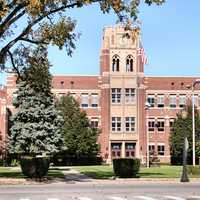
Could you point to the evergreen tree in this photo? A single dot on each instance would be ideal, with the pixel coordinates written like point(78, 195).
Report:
point(36, 126)
point(180, 127)
point(80, 137)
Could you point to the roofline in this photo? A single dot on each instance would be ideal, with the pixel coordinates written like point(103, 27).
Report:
point(68, 75)
point(172, 76)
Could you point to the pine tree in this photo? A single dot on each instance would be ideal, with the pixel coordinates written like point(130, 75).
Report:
point(36, 126)
point(80, 137)
point(180, 127)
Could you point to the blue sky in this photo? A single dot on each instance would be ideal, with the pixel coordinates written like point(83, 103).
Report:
point(170, 33)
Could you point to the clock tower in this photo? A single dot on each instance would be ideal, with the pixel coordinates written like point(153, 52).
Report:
point(122, 95)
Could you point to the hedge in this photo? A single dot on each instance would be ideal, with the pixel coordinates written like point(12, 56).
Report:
point(126, 167)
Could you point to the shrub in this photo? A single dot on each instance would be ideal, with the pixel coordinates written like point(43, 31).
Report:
point(193, 170)
point(126, 167)
point(34, 167)
point(1, 162)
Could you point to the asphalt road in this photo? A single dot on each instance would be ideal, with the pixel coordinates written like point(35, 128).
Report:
point(130, 191)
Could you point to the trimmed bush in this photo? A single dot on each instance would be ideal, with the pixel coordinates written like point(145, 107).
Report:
point(193, 170)
point(126, 167)
point(34, 167)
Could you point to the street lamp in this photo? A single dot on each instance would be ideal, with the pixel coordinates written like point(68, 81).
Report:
point(147, 106)
point(193, 121)
point(184, 176)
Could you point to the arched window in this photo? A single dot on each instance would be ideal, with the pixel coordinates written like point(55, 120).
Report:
point(115, 63)
point(129, 63)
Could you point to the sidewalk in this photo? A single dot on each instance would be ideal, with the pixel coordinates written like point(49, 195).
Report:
point(73, 176)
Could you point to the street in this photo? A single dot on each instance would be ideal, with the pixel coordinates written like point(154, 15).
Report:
point(130, 191)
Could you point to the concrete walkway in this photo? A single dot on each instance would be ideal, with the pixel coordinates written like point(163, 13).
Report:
point(72, 175)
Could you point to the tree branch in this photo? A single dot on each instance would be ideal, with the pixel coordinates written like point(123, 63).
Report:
point(5, 49)
point(33, 41)
point(13, 64)
point(4, 25)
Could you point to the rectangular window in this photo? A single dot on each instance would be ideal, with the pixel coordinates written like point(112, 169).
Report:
point(116, 150)
point(172, 101)
point(116, 124)
point(151, 149)
point(160, 101)
point(130, 124)
point(161, 150)
point(84, 100)
point(182, 100)
point(94, 100)
point(129, 95)
point(161, 125)
point(94, 122)
point(171, 124)
point(151, 124)
point(130, 149)
point(116, 95)
point(151, 100)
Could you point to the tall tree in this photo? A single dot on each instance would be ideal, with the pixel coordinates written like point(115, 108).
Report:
point(80, 137)
point(180, 127)
point(36, 22)
point(36, 126)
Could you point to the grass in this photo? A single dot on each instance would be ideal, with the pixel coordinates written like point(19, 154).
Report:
point(11, 172)
point(106, 172)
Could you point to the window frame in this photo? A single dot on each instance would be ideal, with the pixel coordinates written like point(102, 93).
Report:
point(116, 124)
point(116, 95)
point(130, 121)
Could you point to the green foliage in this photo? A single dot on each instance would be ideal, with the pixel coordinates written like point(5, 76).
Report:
point(34, 167)
point(80, 138)
point(36, 126)
point(180, 127)
point(126, 167)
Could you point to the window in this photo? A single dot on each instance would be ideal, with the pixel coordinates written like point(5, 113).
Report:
point(130, 124)
point(182, 100)
point(84, 100)
point(94, 122)
point(116, 124)
point(130, 149)
point(116, 150)
point(160, 101)
point(161, 125)
point(196, 100)
point(171, 124)
point(151, 100)
point(115, 63)
point(151, 124)
point(94, 100)
point(161, 150)
point(116, 95)
point(129, 95)
point(129, 64)
point(172, 101)
point(151, 149)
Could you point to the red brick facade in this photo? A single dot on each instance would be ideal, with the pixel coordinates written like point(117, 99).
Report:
point(115, 100)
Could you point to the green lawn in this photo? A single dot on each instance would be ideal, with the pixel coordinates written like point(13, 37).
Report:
point(106, 172)
point(10, 172)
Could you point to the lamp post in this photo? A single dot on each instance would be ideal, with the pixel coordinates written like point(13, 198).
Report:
point(184, 176)
point(147, 106)
point(193, 121)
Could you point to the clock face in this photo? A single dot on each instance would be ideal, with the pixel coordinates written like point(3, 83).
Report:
point(122, 40)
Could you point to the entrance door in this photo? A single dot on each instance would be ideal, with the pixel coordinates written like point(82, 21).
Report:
point(130, 150)
point(116, 150)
